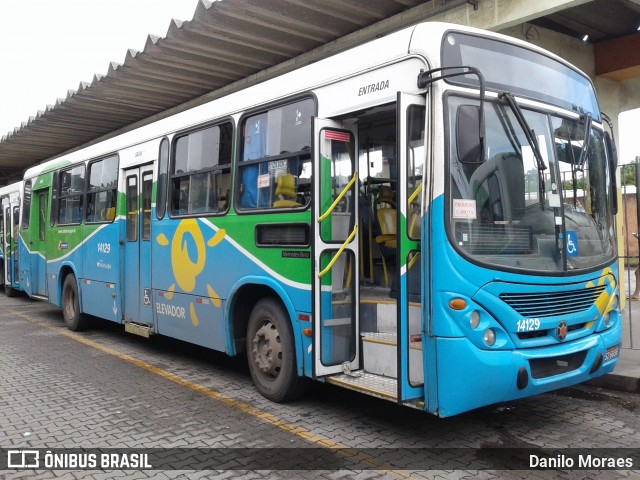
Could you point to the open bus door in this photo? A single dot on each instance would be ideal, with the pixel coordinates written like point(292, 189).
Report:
point(335, 268)
point(12, 225)
point(412, 302)
point(6, 244)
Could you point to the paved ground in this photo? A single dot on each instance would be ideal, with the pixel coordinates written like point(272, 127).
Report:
point(108, 389)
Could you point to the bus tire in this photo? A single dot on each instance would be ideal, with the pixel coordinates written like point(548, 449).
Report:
point(73, 318)
point(271, 354)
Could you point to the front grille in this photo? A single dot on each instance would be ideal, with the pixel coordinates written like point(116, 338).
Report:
point(549, 304)
point(548, 367)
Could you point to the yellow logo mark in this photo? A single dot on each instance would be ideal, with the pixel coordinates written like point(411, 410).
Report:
point(605, 297)
point(186, 268)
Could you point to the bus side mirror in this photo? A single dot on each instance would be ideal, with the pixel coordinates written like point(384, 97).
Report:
point(612, 156)
point(470, 135)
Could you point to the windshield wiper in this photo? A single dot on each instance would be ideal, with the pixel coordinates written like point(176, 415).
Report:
point(531, 138)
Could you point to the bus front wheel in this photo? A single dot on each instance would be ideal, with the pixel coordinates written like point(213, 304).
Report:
point(73, 318)
point(271, 354)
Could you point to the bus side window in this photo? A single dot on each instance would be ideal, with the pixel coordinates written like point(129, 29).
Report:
point(101, 192)
point(71, 193)
point(26, 207)
point(275, 166)
point(201, 170)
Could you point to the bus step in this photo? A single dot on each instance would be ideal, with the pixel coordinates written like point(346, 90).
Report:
point(40, 297)
point(369, 383)
point(379, 352)
point(138, 329)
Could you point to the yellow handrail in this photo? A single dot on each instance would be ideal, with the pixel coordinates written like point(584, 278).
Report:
point(414, 194)
point(413, 260)
point(337, 255)
point(337, 200)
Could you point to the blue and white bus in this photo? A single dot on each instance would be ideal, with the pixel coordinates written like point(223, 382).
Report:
point(9, 222)
point(390, 219)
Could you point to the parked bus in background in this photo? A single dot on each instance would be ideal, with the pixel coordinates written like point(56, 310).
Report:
point(9, 223)
point(389, 219)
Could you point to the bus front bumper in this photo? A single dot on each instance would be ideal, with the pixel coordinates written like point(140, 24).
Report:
point(469, 377)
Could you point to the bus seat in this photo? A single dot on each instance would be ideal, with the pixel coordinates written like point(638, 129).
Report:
point(388, 239)
point(285, 191)
point(386, 195)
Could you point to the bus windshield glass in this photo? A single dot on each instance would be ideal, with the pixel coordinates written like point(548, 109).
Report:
point(500, 214)
point(529, 73)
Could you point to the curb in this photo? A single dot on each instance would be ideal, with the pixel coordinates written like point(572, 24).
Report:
point(620, 383)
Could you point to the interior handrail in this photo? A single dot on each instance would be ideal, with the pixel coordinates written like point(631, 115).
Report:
point(414, 194)
point(337, 200)
point(340, 250)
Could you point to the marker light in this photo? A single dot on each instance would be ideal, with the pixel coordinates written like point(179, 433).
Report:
point(489, 337)
point(457, 304)
point(474, 319)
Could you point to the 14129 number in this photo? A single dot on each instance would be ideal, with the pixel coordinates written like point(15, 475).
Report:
point(528, 324)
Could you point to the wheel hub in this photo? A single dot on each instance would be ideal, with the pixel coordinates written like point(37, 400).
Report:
point(267, 350)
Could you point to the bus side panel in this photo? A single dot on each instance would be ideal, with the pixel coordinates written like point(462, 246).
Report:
point(100, 271)
point(190, 318)
point(196, 266)
point(99, 299)
point(187, 303)
point(64, 254)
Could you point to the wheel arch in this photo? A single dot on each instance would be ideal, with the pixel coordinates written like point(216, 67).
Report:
point(65, 270)
point(242, 299)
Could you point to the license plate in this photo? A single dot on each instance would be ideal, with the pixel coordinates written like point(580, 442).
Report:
point(612, 352)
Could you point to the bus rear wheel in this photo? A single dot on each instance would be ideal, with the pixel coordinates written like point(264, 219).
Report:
point(73, 318)
point(271, 354)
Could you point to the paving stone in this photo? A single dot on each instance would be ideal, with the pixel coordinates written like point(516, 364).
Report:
point(67, 394)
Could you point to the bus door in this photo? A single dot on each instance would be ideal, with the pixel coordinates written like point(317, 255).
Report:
point(6, 243)
point(411, 302)
point(13, 264)
point(336, 346)
point(36, 283)
point(137, 246)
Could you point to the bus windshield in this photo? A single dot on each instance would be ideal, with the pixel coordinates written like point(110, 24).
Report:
point(499, 212)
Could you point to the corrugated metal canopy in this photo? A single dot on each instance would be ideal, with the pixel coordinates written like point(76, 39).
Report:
point(229, 44)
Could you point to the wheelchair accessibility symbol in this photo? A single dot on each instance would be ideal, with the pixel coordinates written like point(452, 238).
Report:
point(147, 297)
point(572, 244)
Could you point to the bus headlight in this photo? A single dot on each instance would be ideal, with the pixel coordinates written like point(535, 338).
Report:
point(474, 319)
point(615, 302)
point(607, 319)
point(489, 337)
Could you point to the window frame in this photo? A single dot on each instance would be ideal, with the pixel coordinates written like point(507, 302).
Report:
point(219, 169)
point(162, 183)
point(27, 200)
point(81, 195)
point(240, 164)
point(89, 191)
